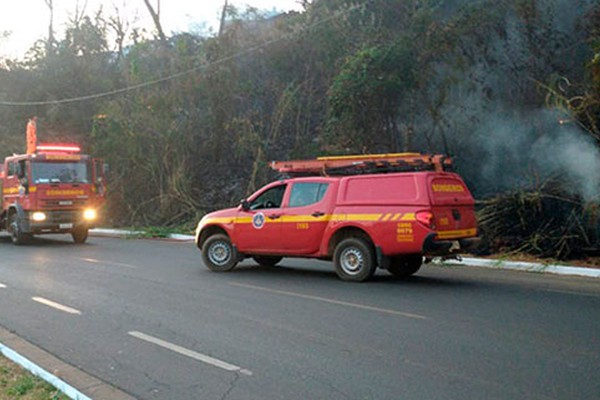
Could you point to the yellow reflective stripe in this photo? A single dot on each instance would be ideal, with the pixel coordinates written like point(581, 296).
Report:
point(305, 218)
point(222, 220)
point(386, 217)
point(324, 218)
point(355, 217)
point(457, 234)
point(408, 217)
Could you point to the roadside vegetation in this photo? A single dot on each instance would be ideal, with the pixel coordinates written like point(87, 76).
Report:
point(189, 121)
point(18, 384)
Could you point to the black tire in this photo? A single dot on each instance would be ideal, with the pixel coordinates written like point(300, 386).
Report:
point(16, 233)
point(354, 260)
point(267, 261)
point(79, 235)
point(218, 253)
point(406, 265)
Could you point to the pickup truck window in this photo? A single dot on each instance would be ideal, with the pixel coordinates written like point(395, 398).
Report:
point(307, 193)
point(271, 198)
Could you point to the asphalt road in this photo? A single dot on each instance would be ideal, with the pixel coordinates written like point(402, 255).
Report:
point(146, 316)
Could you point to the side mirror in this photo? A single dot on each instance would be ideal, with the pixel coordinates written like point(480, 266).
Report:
point(245, 205)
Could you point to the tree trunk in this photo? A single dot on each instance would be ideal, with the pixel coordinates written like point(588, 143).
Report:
point(156, 18)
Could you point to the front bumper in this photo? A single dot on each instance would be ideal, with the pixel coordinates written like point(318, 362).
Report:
point(57, 221)
point(433, 247)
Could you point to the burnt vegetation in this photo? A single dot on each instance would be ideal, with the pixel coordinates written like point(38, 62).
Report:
point(188, 122)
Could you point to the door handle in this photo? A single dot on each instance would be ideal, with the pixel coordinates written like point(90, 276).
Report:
point(317, 214)
point(274, 216)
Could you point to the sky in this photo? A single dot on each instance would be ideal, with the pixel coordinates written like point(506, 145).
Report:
point(27, 20)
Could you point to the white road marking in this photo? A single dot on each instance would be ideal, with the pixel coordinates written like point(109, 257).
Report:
point(190, 353)
point(2, 286)
point(95, 261)
point(331, 301)
point(55, 305)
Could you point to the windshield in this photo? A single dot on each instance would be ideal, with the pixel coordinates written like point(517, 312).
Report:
point(60, 172)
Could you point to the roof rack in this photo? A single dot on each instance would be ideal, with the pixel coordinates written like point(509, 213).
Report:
point(364, 164)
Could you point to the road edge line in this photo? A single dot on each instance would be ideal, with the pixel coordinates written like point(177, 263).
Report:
point(40, 372)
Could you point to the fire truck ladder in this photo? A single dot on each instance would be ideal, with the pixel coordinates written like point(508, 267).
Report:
point(364, 164)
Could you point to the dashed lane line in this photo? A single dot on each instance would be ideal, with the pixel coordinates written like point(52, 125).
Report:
point(56, 305)
point(190, 353)
point(2, 286)
point(117, 264)
point(331, 301)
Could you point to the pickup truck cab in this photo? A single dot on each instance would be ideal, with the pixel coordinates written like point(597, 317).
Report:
point(360, 221)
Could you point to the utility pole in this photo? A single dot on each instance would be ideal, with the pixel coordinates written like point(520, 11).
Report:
point(50, 42)
point(223, 14)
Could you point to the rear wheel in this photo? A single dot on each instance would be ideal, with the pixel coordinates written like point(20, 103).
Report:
point(16, 232)
point(80, 235)
point(267, 261)
point(218, 253)
point(405, 265)
point(354, 259)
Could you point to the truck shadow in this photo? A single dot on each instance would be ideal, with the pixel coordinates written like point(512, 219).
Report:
point(44, 241)
point(326, 272)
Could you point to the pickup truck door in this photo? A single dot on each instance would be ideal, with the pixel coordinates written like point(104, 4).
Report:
point(258, 229)
point(305, 217)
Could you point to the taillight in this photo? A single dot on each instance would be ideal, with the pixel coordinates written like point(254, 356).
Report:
point(426, 219)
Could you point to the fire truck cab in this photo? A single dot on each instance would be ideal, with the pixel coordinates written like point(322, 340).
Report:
point(51, 189)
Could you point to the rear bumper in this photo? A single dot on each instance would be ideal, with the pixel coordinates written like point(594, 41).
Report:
point(433, 247)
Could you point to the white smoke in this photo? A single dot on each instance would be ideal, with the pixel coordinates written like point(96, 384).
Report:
point(521, 151)
point(571, 152)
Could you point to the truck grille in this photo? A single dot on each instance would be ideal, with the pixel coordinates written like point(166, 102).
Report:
point(64, 203)
point(62, 216)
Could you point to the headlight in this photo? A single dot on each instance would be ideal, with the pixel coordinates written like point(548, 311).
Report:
point(89, 214)
point(38, 216)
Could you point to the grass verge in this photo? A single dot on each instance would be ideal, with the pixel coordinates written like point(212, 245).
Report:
point(17, 383)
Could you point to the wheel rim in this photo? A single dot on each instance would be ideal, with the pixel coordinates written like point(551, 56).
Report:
point(352, 260)
point(219, 253)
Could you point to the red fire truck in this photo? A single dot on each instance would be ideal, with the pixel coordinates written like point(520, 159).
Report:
point(53, 188)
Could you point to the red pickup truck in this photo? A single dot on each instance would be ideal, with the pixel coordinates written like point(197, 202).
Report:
point(366, 217)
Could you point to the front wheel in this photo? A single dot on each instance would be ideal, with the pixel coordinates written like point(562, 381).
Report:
point(218, 253)
point(406, 265)
point(80, 235)
point(17, 236)
point(354, 260)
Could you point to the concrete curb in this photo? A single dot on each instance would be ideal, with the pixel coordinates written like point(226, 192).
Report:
point(23, 352)
point(103, 232)
point(525, 266)
point(466, 261)
point(38, 371)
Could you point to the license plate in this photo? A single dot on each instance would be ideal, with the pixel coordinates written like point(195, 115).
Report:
point(65, 203)
point(65, 226)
